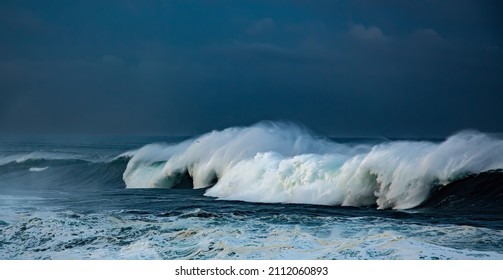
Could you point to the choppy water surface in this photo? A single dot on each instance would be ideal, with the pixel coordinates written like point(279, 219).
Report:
point(275, 192)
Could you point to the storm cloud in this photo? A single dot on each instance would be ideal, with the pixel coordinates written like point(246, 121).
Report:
point(358, 68)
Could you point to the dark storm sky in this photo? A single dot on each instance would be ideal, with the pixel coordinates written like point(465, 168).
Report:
point(342, 68)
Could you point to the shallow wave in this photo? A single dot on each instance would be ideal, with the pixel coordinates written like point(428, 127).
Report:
point(282, 162)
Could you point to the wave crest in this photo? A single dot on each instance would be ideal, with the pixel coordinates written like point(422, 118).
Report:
point(282, 162)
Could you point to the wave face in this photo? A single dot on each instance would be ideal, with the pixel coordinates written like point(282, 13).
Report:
point(282, 162)
point(54, 169)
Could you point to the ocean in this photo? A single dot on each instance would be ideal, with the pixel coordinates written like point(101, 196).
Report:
point(267, 191)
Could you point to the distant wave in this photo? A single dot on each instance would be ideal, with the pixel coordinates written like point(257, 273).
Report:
point(282, 162)
point(34, 156)
point(60, 169)
point(23, 158)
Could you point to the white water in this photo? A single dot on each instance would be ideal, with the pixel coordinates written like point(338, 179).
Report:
point(69, 235)
point(38, 169)
point(278, 162)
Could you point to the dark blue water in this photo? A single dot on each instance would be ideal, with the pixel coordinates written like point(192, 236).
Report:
point(66, 199)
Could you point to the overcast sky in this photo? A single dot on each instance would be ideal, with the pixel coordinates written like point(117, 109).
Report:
point(341, 68)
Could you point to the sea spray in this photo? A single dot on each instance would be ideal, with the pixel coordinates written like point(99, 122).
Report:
point(282, 162)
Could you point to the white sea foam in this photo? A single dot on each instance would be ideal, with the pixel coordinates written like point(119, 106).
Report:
point(38, 169)
point(128, 154)
point(278, 162)
point(69, 235)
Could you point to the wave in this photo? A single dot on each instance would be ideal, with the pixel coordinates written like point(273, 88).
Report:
point(57, 157)
point(35, 156)
point(58, 169)
point(283, 162)
point(475, 193)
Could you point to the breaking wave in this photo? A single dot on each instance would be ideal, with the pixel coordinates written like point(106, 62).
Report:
point(282, 162)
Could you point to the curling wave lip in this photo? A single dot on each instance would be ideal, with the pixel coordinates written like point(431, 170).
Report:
point(282, 162)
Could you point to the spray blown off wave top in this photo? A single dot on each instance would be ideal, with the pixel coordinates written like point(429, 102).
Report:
point(278, 162)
